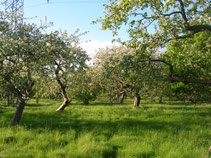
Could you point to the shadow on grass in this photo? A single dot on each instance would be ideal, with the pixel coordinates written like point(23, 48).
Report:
point(172, 107)
point(146, 155)
point(108, 104)
point(65, 121)
point(111, 153)
point(168, 103)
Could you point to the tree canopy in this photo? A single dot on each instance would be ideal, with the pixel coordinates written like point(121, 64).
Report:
point(154, 23)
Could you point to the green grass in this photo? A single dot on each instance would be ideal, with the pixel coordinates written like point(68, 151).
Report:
point(100, 130)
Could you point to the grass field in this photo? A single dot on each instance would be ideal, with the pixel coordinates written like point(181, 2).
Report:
point(100, 130)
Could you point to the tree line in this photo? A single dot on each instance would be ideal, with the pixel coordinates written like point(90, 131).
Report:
point(174, 61)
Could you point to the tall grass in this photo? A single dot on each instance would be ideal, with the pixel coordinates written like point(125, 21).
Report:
point(101, 130)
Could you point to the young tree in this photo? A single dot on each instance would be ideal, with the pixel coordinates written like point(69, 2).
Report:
point(86, 85)
point(141, 76)
point(64, 57)
point(113, 81)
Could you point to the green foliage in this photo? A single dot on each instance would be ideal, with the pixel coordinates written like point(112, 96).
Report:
point(20, 53)
point(63, 58)
point(85, 85)
point(190, 92)
point(63, 53)
point(152, 23)
point(124, 71)
point(170, 130)
point(46, 88)
point(112, 74)
point(191, 58)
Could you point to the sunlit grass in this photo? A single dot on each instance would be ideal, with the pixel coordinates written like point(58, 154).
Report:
point(169, 130)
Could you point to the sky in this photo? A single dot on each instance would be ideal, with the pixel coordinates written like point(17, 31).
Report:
point(70, 15)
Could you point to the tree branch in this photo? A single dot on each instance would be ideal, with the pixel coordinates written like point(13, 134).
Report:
point(180, 37)
point(179, 79)
point(176, 12)
point(13, 88)
point(190, 80)
point(151, 17)
point(184, 18)
point(194, 29)
point(199, 28)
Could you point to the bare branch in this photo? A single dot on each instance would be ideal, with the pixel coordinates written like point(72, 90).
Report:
point(172, 13)
point(184, 18)
point(13, 88)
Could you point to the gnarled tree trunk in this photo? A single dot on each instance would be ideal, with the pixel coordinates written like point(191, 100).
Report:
point(21, 102)
point(64, 95)
point(18, 113)
point(137, 100)
point(22, 98)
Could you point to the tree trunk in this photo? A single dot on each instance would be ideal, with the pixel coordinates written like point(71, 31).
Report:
point(64, 104)
point(12, 98)
point(160, 99)
point(86, 101)
point(22, 98)
point(38, 99)
point(8, 99)
point(19, 110)
point(152, 99)
point(64, 95)
point(122, 98)
point(137, 100)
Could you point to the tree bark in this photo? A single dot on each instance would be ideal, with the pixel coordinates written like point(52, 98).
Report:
point(8, 99)
point(38, 98)
point(64, 95)
point(86, 101)
point(22, 98)
point(12, 100)
point(122, 98)
point(137, 100)
point(19, 110)
point(64, 104)
point(160, 99)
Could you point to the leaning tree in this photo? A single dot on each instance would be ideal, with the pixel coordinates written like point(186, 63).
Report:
point(63, 58)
